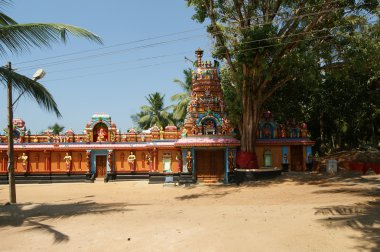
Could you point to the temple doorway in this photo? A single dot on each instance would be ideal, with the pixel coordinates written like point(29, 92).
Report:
point(101, 166)
point(296, 158)
point(209, 165)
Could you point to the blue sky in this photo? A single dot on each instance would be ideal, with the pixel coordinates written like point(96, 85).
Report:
point(113, 78)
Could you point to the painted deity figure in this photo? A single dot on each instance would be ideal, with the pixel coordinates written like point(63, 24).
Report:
point(148, 158)
point(283, 131)
point(184, 133)
point(131, 161)
point(101, 135)
point(178, 157)
point(67, 159)
point(189, 160)
point(267, 132)
point(231, 163)
point(161, 134)
point(24, 160)
point(109, 157)
point(285, 159)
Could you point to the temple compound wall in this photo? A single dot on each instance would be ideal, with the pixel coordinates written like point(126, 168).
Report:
point(204, 149)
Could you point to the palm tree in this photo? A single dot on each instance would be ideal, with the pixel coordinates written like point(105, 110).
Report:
point(153, 114)
point(180, 110)
point(56, 128)
point(17, 38)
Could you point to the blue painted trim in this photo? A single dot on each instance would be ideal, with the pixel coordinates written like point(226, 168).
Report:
point(184, 161)
point(226, 165)
point(194, 170)
point(95, 153)
point(308, 152)
point(285, 150)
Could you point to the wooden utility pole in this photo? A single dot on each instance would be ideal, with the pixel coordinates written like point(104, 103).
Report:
point(11, 168)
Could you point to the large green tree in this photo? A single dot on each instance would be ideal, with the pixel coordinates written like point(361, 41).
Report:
point(16, 38)
point(155, 113)
point(269, 44)
point(183, 99)
point(341, 101)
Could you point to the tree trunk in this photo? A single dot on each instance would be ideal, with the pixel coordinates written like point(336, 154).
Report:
point(251, 115)
point(11, 171)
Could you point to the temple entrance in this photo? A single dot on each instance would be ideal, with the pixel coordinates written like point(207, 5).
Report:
point(209, 165)
point(101, 166)
point(296, 158)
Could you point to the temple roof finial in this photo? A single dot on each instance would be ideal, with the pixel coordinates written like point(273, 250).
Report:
point(199, 54)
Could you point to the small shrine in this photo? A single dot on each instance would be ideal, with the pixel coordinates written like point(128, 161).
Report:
point(101, 129)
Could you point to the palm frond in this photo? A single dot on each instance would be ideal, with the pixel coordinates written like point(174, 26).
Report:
point(32, 88)
point(6, 20)
point(21, 37)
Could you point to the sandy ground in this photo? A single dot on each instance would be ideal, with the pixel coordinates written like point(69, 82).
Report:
point(295, 212)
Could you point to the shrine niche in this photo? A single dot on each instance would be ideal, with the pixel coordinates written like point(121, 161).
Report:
point(209, 126)
point(100, 129)
point(100, 133)
point(167, 162)
point(19, 130)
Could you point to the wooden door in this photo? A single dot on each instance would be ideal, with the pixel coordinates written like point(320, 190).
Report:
point(209, 164)
point(296, 158)
point(101, 166)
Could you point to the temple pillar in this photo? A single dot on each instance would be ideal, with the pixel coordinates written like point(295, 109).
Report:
point(155, 160)
point(193, 168)
point(88, 159)
point(47, 161)
point(110, 161)
point(226, 164)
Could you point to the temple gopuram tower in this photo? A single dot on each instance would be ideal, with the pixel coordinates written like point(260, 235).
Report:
point(207, 144)
point(206, 110)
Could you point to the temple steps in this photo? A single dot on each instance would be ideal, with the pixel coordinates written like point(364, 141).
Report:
point(45, 178)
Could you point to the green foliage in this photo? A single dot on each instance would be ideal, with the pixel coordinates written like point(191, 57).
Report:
point(31, 88)
point(56, 128)
point(18, 38)
point(268, 45)
point(183, 99)
point(154, 113)
point(340, 102)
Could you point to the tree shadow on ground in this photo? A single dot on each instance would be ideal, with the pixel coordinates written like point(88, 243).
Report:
point(319, 179)
point(33, 215)
point(363, 217)
point(202, 195)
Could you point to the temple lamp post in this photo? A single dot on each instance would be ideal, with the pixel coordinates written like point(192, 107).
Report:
point(11, 171)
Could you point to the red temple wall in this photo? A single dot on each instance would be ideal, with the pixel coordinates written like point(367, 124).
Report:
point(122, 165)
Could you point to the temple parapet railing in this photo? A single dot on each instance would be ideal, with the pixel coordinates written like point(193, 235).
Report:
point(169, 134)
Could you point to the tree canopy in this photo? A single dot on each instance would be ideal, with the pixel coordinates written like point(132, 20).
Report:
point(267, 45)
point(155, 113)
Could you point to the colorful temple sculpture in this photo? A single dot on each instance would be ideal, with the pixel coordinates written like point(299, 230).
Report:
point(203, 150)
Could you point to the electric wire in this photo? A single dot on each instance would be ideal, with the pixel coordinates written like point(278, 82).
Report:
point(153, 44)
point(159, 36)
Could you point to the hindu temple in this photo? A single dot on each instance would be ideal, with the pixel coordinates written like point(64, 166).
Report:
point(204, 149)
